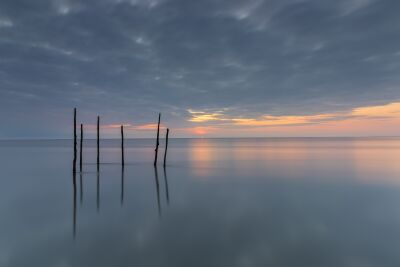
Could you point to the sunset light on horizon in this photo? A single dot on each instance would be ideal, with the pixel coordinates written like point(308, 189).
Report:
point(380, 120)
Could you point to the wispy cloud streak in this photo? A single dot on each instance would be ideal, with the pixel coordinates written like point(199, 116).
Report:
point(388, 111)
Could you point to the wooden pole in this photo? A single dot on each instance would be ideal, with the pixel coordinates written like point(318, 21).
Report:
point(75, 152)
point(98, 143)
point(166, 147)
point(80, 151)
point(158, 138)
point(122, 146)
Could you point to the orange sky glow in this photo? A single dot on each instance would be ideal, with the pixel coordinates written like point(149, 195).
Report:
point(383, 120)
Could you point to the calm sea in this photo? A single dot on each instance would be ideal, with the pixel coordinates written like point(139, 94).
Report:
point(219, 202)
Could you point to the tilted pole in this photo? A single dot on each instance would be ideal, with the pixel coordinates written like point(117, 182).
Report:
point(98, 143)
point(81, 151)
point(166, 147)
point(122, 146)
point(158, 139)
point(75, 152)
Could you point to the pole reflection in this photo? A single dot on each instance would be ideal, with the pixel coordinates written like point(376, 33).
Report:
point(158, 191)
point(166, 185)
point(98, 192)
point(74, 205)
point(122, 194)
point(122, 185)
point(81, 188)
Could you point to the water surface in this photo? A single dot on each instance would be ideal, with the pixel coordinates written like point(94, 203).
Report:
point(218, 202)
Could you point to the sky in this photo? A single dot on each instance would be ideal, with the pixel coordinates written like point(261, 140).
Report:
point(213, 68)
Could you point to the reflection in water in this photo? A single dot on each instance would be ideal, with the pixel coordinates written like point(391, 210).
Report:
point(122, 185)
point(74, 206)
point(166, 185)
point(98, 191)
point(81, 188)
point(74, 182)
point(201, 155)
point(377, 162)
point(158, 190)
point(318, 206)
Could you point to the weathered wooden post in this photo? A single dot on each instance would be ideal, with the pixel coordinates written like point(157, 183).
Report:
point(81, 152)
point(98, 143)
point(166, 147)
point(158, 138)
point(75, 152)
point(122, 146)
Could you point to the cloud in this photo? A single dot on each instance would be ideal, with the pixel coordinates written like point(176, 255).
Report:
point(202, 116)
point(269, 120)
point(147, 127)
point(391, 110)
point(141, 3)
point(127, 127)
point(6, 23)
point(388, 111)
point(351, 6)
point(130, 60)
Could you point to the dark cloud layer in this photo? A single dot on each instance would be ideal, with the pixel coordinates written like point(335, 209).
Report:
point(128, 60)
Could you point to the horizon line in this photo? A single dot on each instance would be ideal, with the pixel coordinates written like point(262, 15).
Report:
point(231, 137)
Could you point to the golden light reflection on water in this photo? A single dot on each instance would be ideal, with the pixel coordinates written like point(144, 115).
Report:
point(334, 159)
point(210, 157)
point(271, 156)
point(377, 161)
point(201, 155)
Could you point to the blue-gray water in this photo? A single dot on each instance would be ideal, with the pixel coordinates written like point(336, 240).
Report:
point(220, 202)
